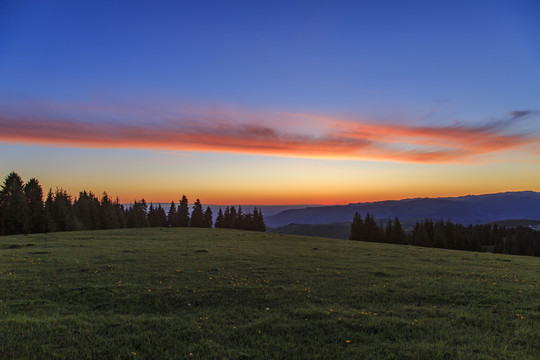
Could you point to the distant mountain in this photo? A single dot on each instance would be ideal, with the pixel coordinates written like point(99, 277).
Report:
point(470, 209)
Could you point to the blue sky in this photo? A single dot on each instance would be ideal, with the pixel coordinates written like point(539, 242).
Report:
point(250, 64)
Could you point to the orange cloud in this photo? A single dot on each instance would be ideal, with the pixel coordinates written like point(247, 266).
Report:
point(264, 132)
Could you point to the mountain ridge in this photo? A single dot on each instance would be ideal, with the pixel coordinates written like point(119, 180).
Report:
point(466, 209)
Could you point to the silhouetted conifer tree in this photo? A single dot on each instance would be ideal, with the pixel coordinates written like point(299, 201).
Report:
point(87, 211)
point(240, 221)
point(357, 226)
point(419, 236)
point(233, 219)
point(399, 236)
point(183, 212)
point(36, 207)
point(172, 215)
point(120, 213)
point(59, 212)
point(371, 231)
point(388, 232)
point(137, 214)
point(439, 236)
point(219, 220)
point(208, 220)
point(157, 216)
point(227, 218)
point(108, 214)
point(13, 206)
point(197, 215)
point(258, 220)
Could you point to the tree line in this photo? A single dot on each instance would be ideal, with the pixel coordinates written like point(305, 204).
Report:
point(447, 235)
point(23, 211)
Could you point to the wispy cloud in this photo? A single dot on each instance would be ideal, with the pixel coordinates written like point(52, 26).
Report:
point(275, 133)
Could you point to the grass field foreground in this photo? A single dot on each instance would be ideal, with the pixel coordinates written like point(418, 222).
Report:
point(212, 293)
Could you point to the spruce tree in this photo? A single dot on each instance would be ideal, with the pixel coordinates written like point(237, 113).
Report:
point(120, 213)
point(36, 207)
point(172, 215)
point(160, 216)
point(197, 215)
point(233, 218)
point(152, 222)
point(227, 218)
point(357, 226)
point(50, 223)
point(258, 220)
point(59, 209)
point(439, 237)
point(388, 232)
point(240, 220)
point(219, 219)
point(399, 236)
point(183, 212)
point(87, 211)
point(137, 214)
point(208, 220)
point(108, 214)
point(14, 208)
point(371, 231)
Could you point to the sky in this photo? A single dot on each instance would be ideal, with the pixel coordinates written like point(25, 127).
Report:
point(271, 102)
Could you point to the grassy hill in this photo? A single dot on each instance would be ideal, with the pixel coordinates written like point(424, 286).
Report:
point(334, 231)
point(212, 293)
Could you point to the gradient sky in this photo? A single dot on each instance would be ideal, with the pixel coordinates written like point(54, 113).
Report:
point(271, 102)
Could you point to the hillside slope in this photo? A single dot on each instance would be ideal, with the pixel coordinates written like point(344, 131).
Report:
point(170, 293)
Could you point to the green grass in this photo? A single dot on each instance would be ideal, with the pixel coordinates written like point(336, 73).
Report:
point(209, 293)
point(334, 231)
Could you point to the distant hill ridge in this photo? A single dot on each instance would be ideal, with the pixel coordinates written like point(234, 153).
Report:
point(468, 209)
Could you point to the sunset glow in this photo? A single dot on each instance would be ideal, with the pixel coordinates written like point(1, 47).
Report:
point(313, 105)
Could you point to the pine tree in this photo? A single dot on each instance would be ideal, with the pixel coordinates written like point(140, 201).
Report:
point(197, 216)
point(371, 231)
point(233, 218)
point(439, 237)
point(59, 212)
point(50, 223)
point(160, 217)
point(357, 226)
point(36, 207)
point(13, 206)
point(87, 211)
point(208, 220)
point(152, 216)
point(172, 215)
point(219, 220)
point(419, 236)
point(183, 212)
point(258, 220)
point(399, 236)
point(240, 220)
point(120, 213)
point(388, 232)
point(227, 218)
point(108, 214)
point(137, 214)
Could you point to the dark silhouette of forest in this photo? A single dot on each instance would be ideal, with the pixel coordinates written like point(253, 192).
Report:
point(447, 235)
point(23, 211)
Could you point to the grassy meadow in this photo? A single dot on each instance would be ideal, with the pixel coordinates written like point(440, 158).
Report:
point(173, 293)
